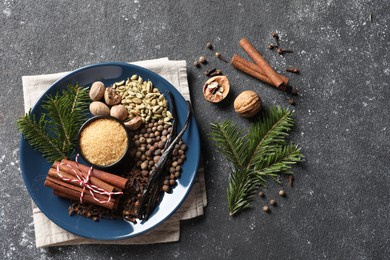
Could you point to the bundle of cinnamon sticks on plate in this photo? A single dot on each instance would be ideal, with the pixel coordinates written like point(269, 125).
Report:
point(260, 69)
point(91, 185)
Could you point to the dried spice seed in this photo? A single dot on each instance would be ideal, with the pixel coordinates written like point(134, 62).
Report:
point(261, 194)
point(272, 46)
point(283, 51)
point(209, 45)
point(291, 102)
point(219, 56)
point(292, 70)
point(266, 209)
point(291, 180)
point(202, 59)
point(282, 193)
point(294, 91)
point(272, 202)
point(197, 64)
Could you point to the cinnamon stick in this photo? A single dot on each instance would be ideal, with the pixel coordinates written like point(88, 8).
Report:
point(68, 173)
point(263, 64)
point(253, 70)
point(69, 191)
point(112, 179)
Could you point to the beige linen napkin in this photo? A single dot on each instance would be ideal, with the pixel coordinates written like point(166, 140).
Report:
point(49, 234)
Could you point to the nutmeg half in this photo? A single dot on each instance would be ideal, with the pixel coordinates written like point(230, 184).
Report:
point(248, 103)
point(216, 89)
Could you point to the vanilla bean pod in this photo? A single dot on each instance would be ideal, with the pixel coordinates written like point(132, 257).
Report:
point(151, 193)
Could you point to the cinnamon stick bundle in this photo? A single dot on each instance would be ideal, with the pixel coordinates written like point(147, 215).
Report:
point(67, 172)
point(253, 70)
point(60, 178)
point(266, 73)
point(112, 179)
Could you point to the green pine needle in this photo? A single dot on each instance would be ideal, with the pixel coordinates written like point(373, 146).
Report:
point(230, 142)
point(259, 154)
point(54, 134)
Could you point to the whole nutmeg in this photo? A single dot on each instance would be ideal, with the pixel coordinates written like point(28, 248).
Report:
point(248, 103)
point(97, 91)
point(134, 123)
point(112, 97)
point(119, 111)
point(216, 89)
point(98, 108)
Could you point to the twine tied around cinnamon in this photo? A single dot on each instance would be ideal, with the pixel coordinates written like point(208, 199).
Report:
point(84, 182)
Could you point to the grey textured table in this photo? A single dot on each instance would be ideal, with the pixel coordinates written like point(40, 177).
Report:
point(339, 207)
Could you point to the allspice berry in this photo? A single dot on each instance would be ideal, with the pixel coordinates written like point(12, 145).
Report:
point(282, 193)
point(248, 103)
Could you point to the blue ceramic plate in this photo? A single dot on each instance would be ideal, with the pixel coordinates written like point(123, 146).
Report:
point(35, 168)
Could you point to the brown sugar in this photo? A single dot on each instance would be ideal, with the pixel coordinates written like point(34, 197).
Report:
point(103, 142)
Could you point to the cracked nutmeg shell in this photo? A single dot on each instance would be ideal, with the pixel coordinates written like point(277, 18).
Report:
point(216, 89)
point(248, 103)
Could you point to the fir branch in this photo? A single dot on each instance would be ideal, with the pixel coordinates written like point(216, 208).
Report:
point(280, 162)
point(230, 142)
point(63, 115)
point(259, 154)
point(241, 190)
point(268, 134)
point(36, 133)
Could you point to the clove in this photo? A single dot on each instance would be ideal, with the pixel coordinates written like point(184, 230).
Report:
point(272, 46)
point(219, 56)
point(292, 70)
point(291, 180)
point(213, 72)
point(283, 51)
